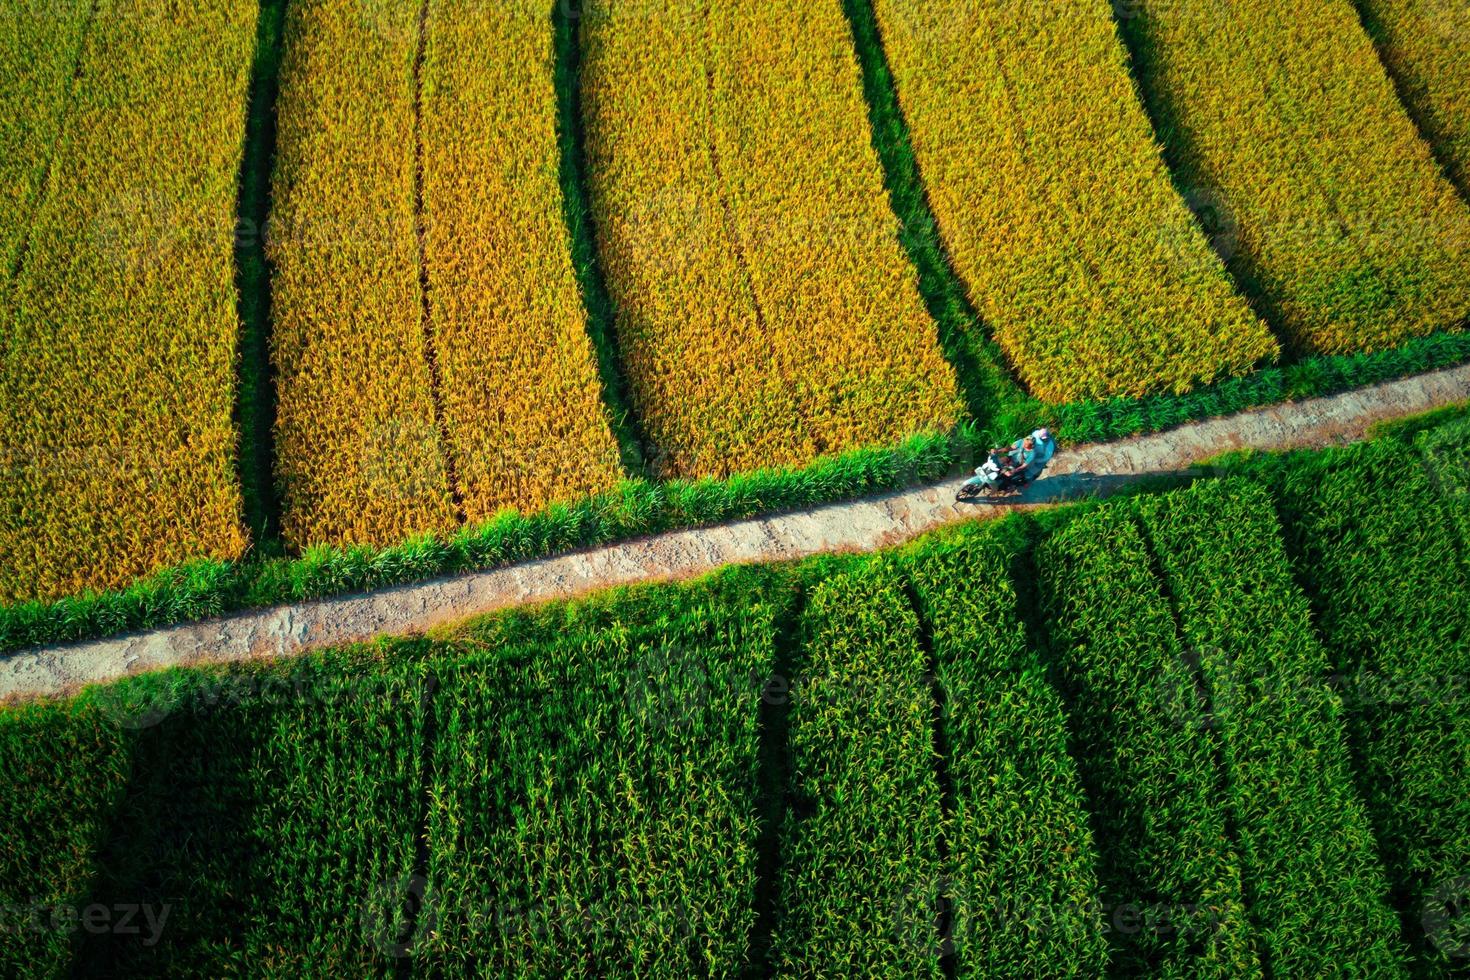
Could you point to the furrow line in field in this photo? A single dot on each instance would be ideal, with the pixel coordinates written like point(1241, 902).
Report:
point(774, 786)
point(1209, 721)
point(582, 233)
point(431, 353)
point(721, 184)
point(1421, 115)
point(1271, 87)
point(415, 895)
point(255, 395)
point(1028, 156)
point(944, 924)
point(980, 366)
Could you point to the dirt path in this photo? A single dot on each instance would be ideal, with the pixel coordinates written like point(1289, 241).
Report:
point(863, 525)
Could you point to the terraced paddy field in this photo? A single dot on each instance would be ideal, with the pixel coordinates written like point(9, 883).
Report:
point(305, 296)
point(1211, 730)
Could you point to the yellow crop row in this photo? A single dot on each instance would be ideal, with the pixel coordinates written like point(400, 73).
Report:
point(765, 309)
point(409, 403)
point(118, 334)
point(357, 445)
point(1426, 44)
point(1283, 116)
point(1054, 203)
point(522, 399)
point(39, 46)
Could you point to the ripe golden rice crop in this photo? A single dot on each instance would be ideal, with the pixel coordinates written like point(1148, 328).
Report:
point(522, 399)
point(358, 451)
point(39, 45)
point(1054, 202)
point(1426, 44)
point(765, 309)
point(1333, 208)
point(118, 332)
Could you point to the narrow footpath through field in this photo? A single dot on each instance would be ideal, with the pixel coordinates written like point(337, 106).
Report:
point(862, 525)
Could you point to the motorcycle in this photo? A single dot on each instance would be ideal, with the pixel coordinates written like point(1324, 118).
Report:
point(991, 480)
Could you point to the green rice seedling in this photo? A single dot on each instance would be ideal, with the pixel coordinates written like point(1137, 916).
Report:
point(1446, 452)
point(1021, 864)
point(860, 873)
point(63, 768)
point(1315, 890)
point(272, 811)
point(594, 796)
point(1148, 755)
point(1389, 587)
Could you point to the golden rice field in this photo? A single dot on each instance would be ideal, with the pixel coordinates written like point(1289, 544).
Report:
point(1054, 202)
point(522, 398)
point(765, 308)
point(47, 41)
point(118, 332)
point(1426, 45)
point(359, 458)
point(478, 242)
point(1338, 214)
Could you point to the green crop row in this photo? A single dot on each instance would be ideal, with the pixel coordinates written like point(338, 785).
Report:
point(268, 823)
point(1169, 866)
point(1020, 870)
point(1315, 890)
point(63, 767)
point(1388, 587)
point(1446, 451)
point(594, 805)
point(860, 874)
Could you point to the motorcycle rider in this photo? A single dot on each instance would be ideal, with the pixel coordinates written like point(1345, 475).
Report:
point(1022, 462)
point(1019, 462)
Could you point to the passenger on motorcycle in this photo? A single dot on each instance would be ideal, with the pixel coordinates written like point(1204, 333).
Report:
point(1041, 447)
point(1012, 467)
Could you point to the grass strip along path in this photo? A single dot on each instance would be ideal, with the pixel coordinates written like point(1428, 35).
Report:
point(861, 525)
